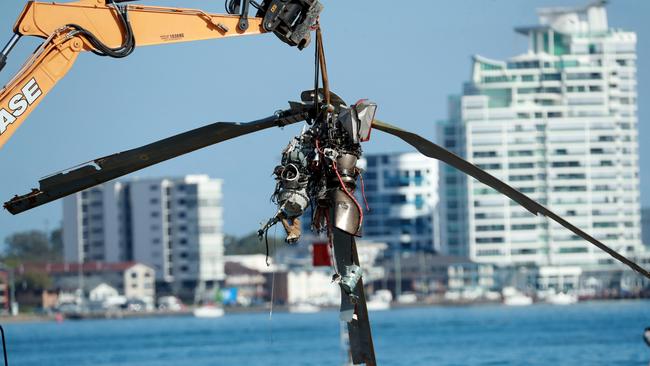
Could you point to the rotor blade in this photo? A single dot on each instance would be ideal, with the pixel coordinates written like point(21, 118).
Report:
point(435, 151)
point(113, 166)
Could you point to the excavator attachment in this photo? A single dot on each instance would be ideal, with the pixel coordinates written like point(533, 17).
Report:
point(108, 29)
point(292, 21)
point(435, 151)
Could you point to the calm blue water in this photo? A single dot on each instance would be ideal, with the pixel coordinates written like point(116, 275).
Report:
point(607, 333)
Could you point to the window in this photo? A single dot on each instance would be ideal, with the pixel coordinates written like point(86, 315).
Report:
point(485, 154)
point(569, 189)
point(573, 250)
point(489, 166)
point(521, 165)
point(585, 76)
point(524, 227)
point(571, 176)
point(496, 79)
point(554, 76)
point(523, 65)
point(527, 177)
point(491, 240)
point(605, 224)
point(488, 252)
point(523, 251)
point(564, 164)
point(498, 98)
point(490, 228)
point(520, 153)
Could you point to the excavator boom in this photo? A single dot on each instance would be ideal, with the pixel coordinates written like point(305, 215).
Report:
point(108, 29)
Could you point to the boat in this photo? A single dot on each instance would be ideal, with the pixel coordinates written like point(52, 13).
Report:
point(208, 303)
point(380, 300)
point(208, 311)
point(303, 308)
point(407, 298)
point(512, 297)
point(562, 298)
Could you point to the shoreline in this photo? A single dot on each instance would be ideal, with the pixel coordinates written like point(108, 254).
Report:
point(36, 318)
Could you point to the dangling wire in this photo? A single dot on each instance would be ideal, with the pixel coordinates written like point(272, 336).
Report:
point(347, 192)
point(316, 73)
point(266, 239)
point(272, 291)
point(323, 65)
point(232, 6)
point(273, 278)
point(102, 49)
point(363, 191)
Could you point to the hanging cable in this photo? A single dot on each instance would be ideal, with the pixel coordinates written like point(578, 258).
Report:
point(232, 6)
point(323, 65)
point(345, 189)
point(100, 48)
point(273, 280)
point(266, 239)
point(272, 293)
point(316, 75)
point(363, 191)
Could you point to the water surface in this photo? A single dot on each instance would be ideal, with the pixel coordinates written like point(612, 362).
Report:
point(598, 333)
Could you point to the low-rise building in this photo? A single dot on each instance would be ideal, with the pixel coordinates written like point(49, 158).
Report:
point(5, 297)
point(427, 274)
point(313, 286)
point(133, 280)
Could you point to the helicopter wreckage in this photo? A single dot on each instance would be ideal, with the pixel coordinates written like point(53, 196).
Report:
point(318, 170)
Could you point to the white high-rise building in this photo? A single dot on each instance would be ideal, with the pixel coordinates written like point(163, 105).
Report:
point(559, 123)
point(402, 193)
point(172, 225)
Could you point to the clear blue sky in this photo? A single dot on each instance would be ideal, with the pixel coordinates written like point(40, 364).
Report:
point(408, 60)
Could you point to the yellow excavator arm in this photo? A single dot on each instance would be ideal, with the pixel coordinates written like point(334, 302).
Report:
point(107, 29)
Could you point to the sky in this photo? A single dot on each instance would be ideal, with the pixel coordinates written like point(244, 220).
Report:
point(408, 60)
